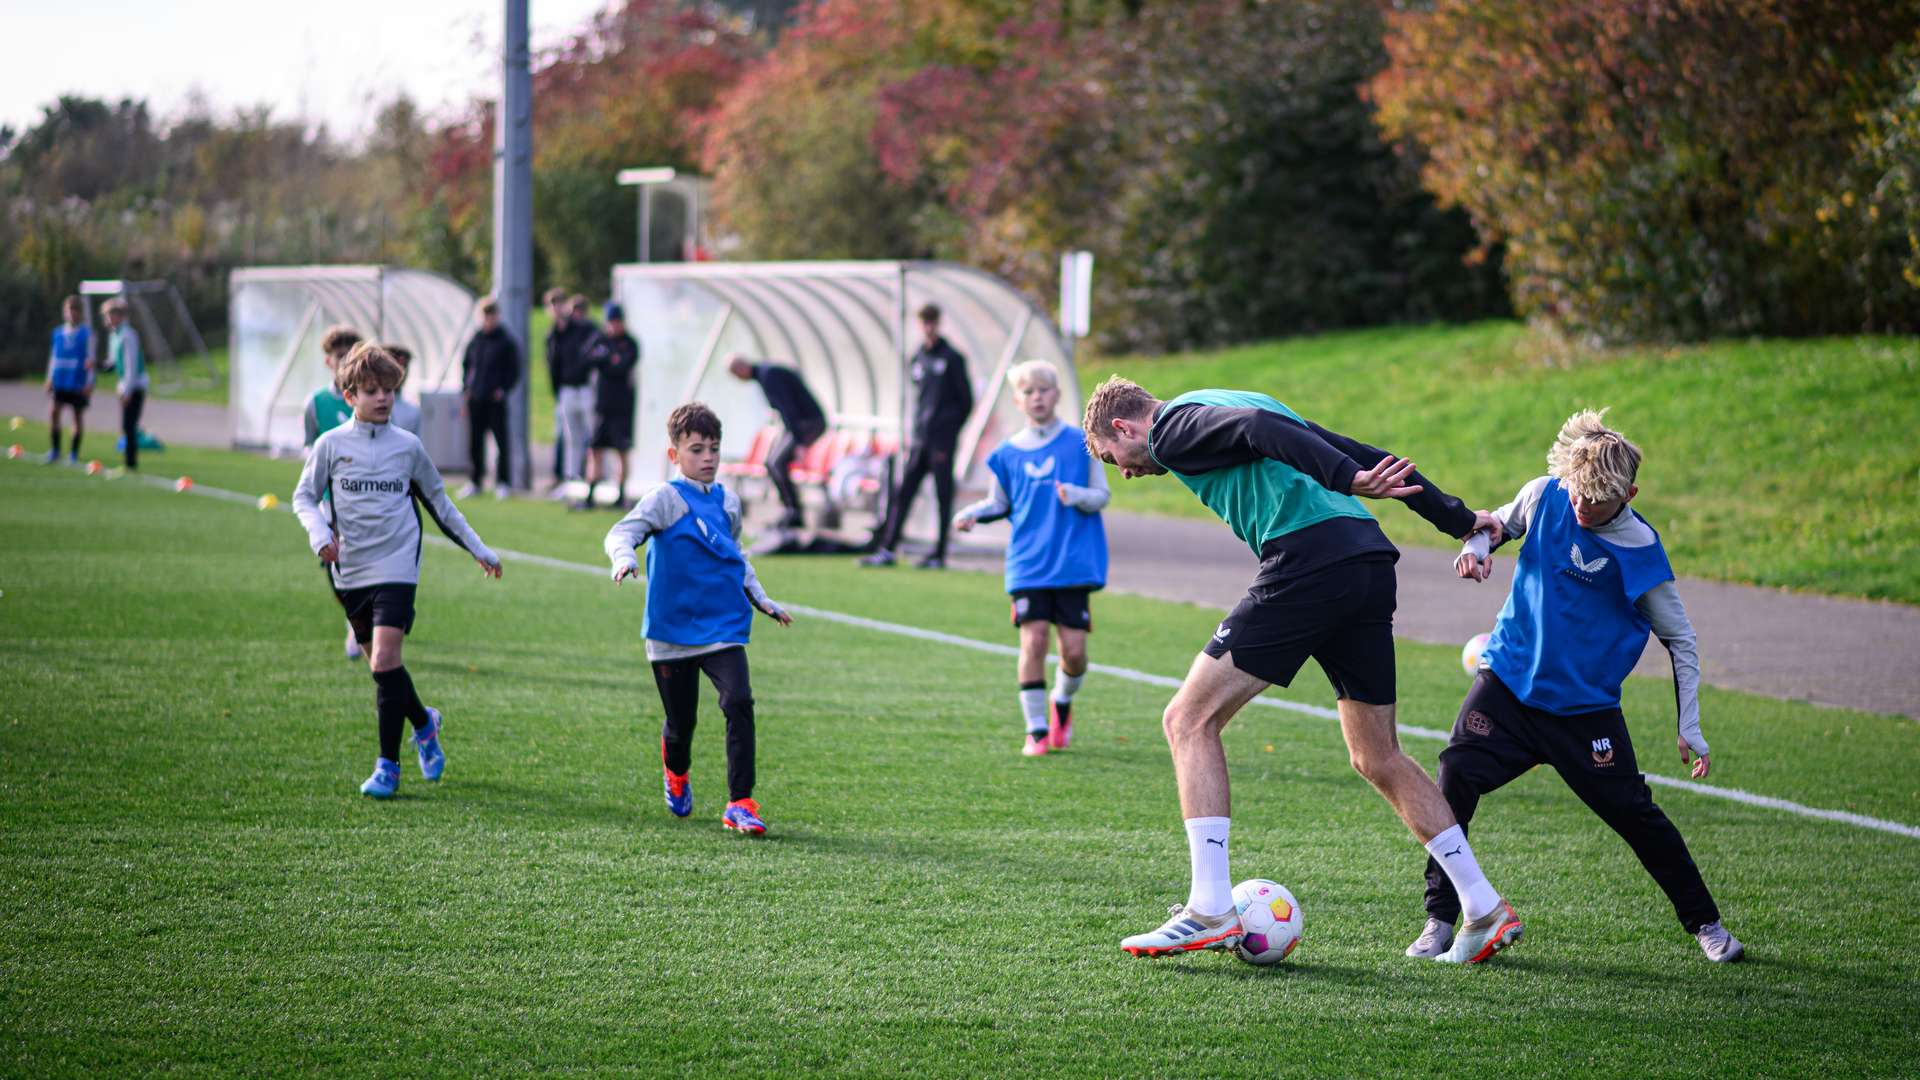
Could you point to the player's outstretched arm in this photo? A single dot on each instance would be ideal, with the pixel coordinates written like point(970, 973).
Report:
point(431, 492)
point(656, 511)
point(1662, 607)
point(992, 508)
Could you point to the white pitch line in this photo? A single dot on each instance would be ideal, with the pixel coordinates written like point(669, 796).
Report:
point(1843, 817)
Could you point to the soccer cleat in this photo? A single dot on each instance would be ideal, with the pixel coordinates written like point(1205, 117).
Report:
point(432, 758)
point(500, 492)
point(743, 816)
point(52, 458)
point(933, 562)
point(1480, 939)
point(679, 792)
point(1036, 744)
point(1060, 725)
point(467, 491)
point(1720, 946)
point(384, 781)
point(73, 458)
point(354, 651)
point(1434, 940)
point(883, 557)
point(1186, 932)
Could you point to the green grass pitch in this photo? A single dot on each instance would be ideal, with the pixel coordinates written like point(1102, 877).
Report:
point(190, 882)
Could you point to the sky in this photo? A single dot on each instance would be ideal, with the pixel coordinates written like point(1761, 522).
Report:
point(323, 60)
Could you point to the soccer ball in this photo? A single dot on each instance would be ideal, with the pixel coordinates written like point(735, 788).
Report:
point(1470, 652)
point(1270, 918)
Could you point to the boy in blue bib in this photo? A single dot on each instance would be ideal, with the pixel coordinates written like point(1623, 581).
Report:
point(1592, 581)
point(1044, 480)
point(701, 595)
point(70, 378)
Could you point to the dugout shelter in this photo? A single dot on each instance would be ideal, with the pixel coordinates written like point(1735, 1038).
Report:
point(849, 328)
point(279, 314)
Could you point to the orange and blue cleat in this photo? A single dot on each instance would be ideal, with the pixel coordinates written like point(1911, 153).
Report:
point(743, 815)
point(679, 793)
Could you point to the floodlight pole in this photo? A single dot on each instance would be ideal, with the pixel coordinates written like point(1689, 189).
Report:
point(513, 221)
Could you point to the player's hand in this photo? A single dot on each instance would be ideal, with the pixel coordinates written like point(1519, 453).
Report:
point(780, 616)
point(491, 569)
point(1484, 521)
point(964, 522)
point(1060, 492)
point(1700, 764)
point(625, 571)
point(330, 553)
point(1471, 568)
point(1385, 480)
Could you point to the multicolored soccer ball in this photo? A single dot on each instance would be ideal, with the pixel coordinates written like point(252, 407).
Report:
point(1271, 919)
point(1470, 652)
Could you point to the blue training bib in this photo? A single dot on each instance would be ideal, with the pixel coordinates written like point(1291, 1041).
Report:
point(1054, 546)
point(1569, 632)
point(697, 576)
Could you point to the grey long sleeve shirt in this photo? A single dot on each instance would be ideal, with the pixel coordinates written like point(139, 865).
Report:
point(656, 512)
point(1090, 498)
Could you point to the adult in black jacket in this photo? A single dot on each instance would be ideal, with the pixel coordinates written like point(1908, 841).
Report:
point(801, 417)
point(945, 401)
point(489, 372)
point(571, 375)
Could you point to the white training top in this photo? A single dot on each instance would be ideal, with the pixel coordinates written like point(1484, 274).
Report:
point(369, 476)
point(656, 512)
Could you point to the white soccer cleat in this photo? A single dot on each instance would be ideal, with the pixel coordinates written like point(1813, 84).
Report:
point(1187, 932)
point(467, 491)
point(1720, 946)
point(1480, 939)
point(1434, 940)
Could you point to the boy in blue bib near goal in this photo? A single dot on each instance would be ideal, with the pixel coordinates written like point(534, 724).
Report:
point(1592, 580)
point(701, 596)
point(1054, 491)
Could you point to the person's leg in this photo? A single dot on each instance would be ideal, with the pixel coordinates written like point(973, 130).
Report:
point(902, 502)
point(79, 429)
point(392, 688)
point(1595, 757)
point(624, 457)
point(1031, 669)
point(1072, 669)
point(53, 428)
point(942, 467)
point(497, 424)
point(130, 409)
point(478, 424)
point(779, 473)
point(1489, 747)
point(727, 670)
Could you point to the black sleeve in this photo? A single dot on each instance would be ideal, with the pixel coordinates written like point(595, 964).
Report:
point(466, 366)
point(509, 376)
point(553, 359)
point(956, 396)
point(1446, 513)
point(1201, 438)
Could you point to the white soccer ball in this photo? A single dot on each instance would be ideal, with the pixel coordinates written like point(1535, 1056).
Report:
point(1270, 920)
point(1470, 652)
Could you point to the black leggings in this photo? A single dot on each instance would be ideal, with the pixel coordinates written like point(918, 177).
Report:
point(934, 458)
point(679, 683)
point(485, 416)
point(1496, 738)
point(131, 406)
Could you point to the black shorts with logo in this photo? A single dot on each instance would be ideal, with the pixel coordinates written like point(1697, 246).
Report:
point(612, 431)
point(78, 399)
point(1068, 608)
point(377, 605)
point(1340, 615)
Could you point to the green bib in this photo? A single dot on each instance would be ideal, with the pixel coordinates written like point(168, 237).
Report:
point(330, 410)
point(1261, 499)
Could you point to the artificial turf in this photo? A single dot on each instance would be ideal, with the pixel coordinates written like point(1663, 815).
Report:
point(190, 882)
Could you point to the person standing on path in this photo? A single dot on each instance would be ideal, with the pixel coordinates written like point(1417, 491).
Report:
point(489, 371)
point(125, 357)
point(572, 381)
point(70, 378)
point(801, 418)
point(945, 401)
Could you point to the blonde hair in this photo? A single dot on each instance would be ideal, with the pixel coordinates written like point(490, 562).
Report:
point(114, 306)
point(1592, 460)
point(366, 367)
point(1026, 371)
point(1115, 399)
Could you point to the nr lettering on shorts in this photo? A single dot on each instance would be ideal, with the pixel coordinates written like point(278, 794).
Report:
point(1603, 753)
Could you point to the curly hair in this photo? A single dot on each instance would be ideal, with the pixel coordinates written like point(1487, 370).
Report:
point(1591, 459)
point(1115, 399)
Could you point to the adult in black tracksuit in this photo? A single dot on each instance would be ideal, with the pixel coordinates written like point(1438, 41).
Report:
point(801, 417)
point(489, 372)
point(945, 402)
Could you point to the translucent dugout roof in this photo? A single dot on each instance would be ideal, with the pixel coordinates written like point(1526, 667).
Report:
point(279, 313)
point(849, 328)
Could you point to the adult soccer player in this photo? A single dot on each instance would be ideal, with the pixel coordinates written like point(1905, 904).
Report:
point(1057, 558)
point(70, 378)
point(802, 420)
point(489, 370)
point(1291, 490)
point(1591, 581)
point(945, 402)
point(368, 539)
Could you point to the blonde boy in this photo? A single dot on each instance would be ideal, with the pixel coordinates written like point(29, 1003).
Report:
point(356, 498)
point(1045, 481)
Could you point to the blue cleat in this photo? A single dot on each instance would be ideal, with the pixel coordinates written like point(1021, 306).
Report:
point(384, 781)
point(427, 741)
point(743, 815)
point(679, 792)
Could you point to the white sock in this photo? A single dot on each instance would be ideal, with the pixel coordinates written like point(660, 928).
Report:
point(1065, 686)
point(1033, 704)
point(1451, 850)
point(1212, 892)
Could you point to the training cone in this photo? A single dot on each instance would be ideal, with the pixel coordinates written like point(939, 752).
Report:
point(94, 467)
point(16, 450)
point(268, 502)
point(185, 483)
point(16, 423)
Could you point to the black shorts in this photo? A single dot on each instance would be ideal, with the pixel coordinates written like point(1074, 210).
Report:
point(1341, 616)
point(1062, 607)
point(79, 399)
point(377, 605)
point(612, 433)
